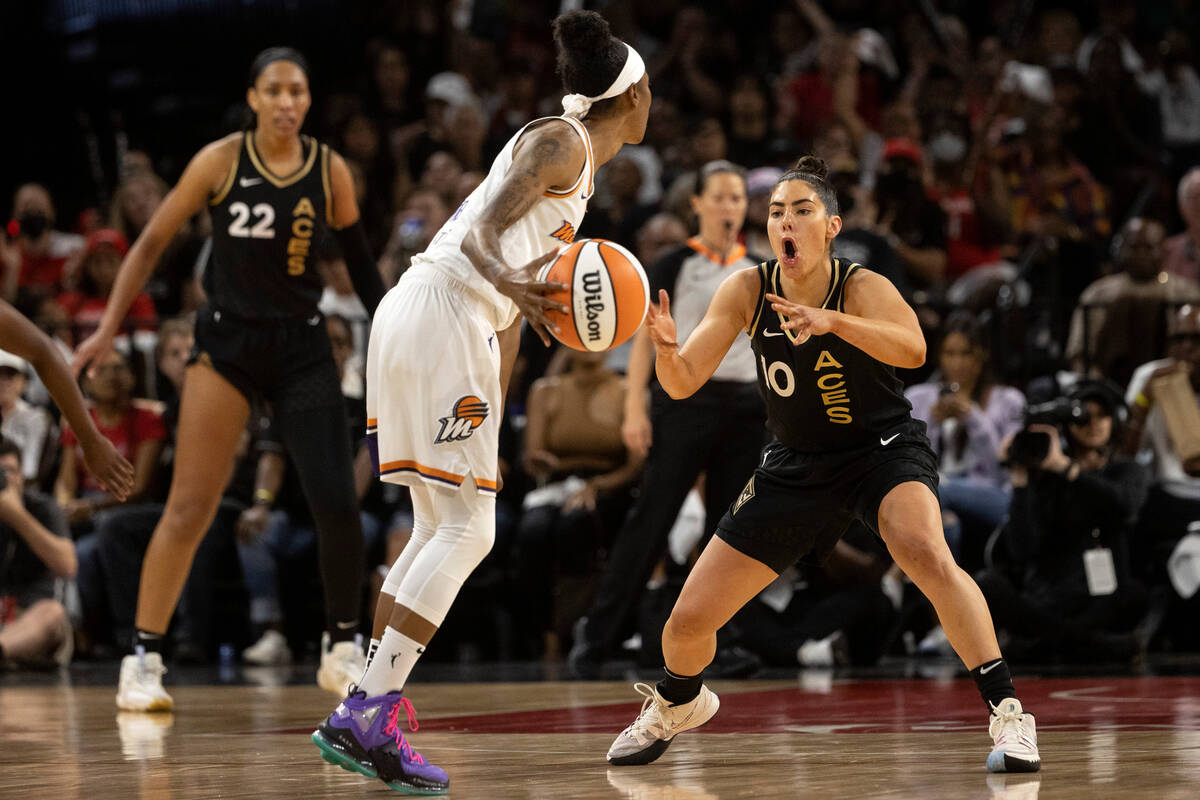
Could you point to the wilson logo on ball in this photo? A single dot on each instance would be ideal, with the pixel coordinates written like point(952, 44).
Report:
point(607, 294)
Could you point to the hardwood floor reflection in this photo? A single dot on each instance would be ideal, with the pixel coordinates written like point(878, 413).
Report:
point(861, 739)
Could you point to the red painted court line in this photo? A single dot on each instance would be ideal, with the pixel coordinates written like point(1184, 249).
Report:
point(893, 706)
point(884, 706)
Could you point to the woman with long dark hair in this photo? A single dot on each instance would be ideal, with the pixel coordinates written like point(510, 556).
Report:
point(271, 190)
point(968, 415)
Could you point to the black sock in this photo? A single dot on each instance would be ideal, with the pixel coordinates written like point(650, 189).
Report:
point(679, 689)
point(150, 642)
point(342, 631)
point(994, 682)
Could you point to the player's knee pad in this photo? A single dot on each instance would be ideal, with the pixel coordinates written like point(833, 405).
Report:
point(465, 533)
point(424, 526)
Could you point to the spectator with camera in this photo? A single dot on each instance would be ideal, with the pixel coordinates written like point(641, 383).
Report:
point(1165, 435)
point(36, 551)
point(1060, 582)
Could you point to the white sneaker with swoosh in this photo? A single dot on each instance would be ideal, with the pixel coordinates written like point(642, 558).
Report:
point(1014, 738)
point(657, 725)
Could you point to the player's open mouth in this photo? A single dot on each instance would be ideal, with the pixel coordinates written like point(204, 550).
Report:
point(789, 250)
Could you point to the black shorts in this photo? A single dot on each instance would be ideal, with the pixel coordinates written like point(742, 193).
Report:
point(286, 363)
point(799, 504)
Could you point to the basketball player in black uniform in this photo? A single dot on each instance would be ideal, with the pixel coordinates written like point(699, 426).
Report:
point(271, 192)
point(827, 335)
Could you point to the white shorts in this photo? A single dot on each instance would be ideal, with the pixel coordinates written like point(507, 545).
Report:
point(433, 385)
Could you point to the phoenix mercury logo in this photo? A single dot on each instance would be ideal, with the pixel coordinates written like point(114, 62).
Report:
point(469, 413)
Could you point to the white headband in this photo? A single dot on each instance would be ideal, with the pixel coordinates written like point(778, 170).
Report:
point(578, 105)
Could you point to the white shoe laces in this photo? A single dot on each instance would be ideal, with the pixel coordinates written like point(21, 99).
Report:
point(650, 723)
point(147, 671)
point(1009, 723)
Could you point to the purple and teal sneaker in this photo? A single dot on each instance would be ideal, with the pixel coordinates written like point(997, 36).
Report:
point(363, 735)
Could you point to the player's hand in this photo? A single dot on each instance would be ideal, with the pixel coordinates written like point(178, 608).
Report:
point(252, 522)
point(529, 294)
point(94, 347)
point(803, 321)
point(637, 432)
point(659, 324)
point(108, 467)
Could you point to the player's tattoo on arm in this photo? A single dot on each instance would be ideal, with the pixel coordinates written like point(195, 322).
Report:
point(528, 181)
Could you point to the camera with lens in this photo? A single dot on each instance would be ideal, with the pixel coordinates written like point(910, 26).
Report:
point(1029, 448)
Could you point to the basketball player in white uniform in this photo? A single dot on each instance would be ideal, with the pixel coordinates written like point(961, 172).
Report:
point(441, 350)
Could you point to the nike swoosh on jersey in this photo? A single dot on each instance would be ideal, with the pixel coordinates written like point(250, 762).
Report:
point(772, 333)
point(887, 441)
point(245, 182)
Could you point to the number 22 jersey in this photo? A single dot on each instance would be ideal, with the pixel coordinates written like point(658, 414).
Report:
point(265, 229)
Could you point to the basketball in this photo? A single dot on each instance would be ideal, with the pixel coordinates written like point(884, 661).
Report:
point(607, 294)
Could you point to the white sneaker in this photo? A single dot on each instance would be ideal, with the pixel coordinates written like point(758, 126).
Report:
point(341, 665)
point(271, 648)
point(1015, 737)
point(140, 687)
point(658, 723)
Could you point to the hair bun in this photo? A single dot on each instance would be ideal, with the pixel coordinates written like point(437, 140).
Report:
point(812, 165)
point(583, 33)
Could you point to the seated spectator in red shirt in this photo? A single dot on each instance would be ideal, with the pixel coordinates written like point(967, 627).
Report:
point(38, 255)
point(101, 260)
point(135, 427)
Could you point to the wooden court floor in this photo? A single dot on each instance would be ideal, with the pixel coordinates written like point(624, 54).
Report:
point(812, 736)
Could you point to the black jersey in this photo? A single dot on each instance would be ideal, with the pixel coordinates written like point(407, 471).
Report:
point(264, 230)
point(823, 395)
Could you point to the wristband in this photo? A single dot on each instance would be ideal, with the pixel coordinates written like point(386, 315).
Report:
point(264, 496)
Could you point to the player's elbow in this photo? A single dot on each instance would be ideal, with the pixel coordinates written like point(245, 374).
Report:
point(676, 393)
point(915, 356)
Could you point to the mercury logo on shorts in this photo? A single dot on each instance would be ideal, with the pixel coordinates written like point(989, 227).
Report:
point(469, 413)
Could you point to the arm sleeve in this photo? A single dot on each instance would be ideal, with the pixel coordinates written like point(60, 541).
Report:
point(364, 274)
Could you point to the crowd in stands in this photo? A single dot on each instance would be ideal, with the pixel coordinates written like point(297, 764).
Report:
point(1027, 174)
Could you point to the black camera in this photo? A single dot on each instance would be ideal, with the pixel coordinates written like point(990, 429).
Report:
point(1030, 448)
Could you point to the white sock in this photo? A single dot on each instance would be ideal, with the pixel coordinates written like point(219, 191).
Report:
point(395, 658)
point(371, 650)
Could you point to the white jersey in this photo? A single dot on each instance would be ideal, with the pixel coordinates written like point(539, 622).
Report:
point(551, 223)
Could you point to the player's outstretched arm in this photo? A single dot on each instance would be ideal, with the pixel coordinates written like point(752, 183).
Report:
point(683, 370)
point(203, 176)
point(547, 157)
point(19, 335)
point(877, 321)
